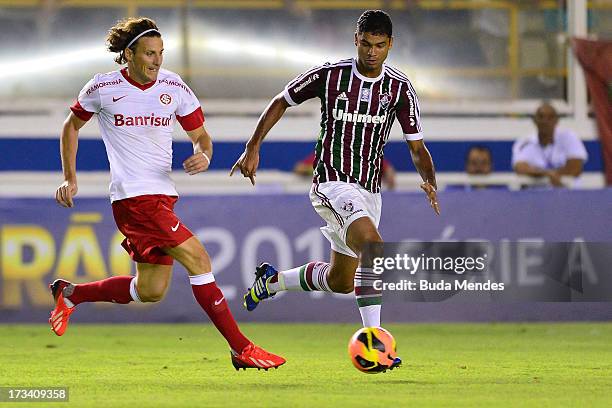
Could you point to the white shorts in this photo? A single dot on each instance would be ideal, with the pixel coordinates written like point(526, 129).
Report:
point(339, 204)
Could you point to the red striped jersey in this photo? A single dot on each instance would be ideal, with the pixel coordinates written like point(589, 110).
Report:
point(357, 114)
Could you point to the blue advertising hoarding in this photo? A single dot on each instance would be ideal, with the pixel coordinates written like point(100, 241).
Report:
point(40, 241)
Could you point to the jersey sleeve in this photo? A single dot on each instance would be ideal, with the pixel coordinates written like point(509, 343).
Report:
point(574, 147)
point(520, 152)
point(88, 101)
point(189, 111)
point(306, 86)
point(408, 112)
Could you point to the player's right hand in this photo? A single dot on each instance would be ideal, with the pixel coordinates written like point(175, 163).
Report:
point(247, 163)
point(431, 196)
point(65, 192)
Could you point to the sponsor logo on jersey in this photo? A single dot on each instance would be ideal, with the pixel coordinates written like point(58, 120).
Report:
point(411, 113)
point(365, 95)
point(385, 100)
point(165, 99)
point(119, 98)
point(357, 117)
point(342, 97)
point(304, 84)
point(102, 85)
point(151, 120)
point(174, 83)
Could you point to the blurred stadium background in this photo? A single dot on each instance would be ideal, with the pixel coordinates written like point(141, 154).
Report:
point(480, 67)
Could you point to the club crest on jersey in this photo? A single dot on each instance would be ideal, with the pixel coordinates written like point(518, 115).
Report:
point(365, 95)
point(165, 99)
point(385, 99)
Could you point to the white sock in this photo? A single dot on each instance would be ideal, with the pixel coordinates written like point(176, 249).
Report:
point(287, 280)
point(309, 277)
point(370, 315)
point(202, 279)
point(134, 291)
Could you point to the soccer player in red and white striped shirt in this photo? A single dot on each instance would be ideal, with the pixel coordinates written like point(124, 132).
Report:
point(360, 98)
point(137, 107)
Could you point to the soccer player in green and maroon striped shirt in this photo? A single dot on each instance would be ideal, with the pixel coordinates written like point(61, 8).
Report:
point(360, 99)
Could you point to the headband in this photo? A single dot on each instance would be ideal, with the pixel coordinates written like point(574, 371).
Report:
point(140, 35)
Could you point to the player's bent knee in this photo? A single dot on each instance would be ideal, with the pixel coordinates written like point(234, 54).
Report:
point(345, 289)
point(151, 295)
point(151, 298)
point(372, 238)
point(357, 239)
point(341, 285)
point(371, 241)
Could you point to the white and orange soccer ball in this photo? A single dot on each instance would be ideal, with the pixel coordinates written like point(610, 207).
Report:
point(372, 350)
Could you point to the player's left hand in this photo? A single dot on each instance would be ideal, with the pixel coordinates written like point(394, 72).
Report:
point(431, 195)
point(196, 163)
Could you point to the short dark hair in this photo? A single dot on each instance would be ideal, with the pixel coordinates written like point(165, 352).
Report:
point(375, 22)
point(546, 103)
point(481, 148)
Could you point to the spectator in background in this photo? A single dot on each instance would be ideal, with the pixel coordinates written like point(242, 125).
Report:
point(478, 161)
point(551, 152)
point(305, 168)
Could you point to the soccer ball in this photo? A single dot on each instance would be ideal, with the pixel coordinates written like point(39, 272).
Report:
point(372, 350)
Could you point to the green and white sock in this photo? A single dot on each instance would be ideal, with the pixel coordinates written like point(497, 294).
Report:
point(369, 299)
point(309, 277)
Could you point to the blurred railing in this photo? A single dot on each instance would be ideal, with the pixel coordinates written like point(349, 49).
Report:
point(95, 184)
point(523, 42)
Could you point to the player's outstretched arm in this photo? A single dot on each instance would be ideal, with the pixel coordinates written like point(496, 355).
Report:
point(68, 151)
point(202, 151)
point(249, 159)
point(424, 165)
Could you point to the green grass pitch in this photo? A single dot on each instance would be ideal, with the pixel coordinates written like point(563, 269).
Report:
point(180, 365)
